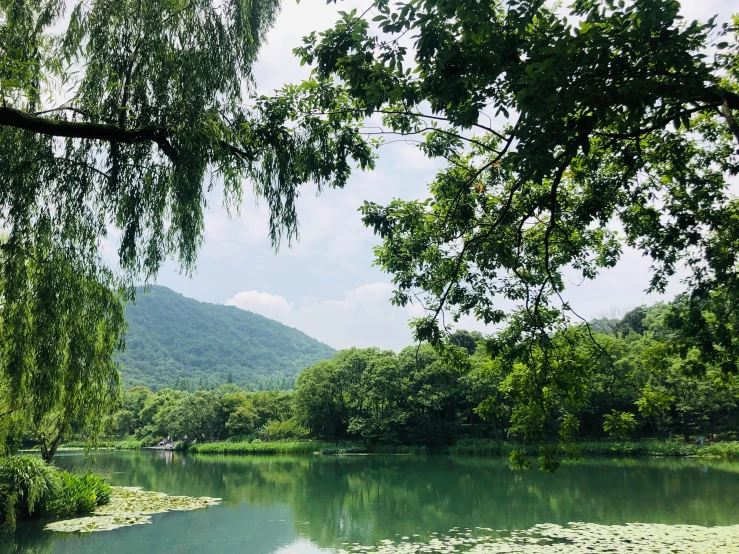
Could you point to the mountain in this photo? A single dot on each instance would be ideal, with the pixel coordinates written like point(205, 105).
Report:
point(172, 337)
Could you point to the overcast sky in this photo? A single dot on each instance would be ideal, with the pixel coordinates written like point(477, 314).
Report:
point(326, 285)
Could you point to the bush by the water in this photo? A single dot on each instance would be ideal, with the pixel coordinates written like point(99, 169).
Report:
point(255, 447)
point(31, 488)
point(472, 447)
point(726, 450)
point(78, 494)
point(125, 444)
point(649, 447)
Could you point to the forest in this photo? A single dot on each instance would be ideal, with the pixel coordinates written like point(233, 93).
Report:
point(636, 387)
point(175, 341)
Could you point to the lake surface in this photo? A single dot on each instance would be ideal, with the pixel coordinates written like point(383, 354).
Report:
point(310, 504)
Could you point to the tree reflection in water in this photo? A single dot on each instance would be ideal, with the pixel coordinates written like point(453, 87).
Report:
point(272, 502)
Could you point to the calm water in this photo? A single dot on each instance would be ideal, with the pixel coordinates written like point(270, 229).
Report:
point(309, 504)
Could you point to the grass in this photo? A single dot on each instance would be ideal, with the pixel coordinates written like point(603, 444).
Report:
point(299, 447)
point(481, 447)
point(475, 447)
point(463, 447)
point(725, 450)
point(30, 488)
point(254, 447)
point(127, 444)
point(647, 447)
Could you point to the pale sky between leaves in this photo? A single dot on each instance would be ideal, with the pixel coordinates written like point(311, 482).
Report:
point(325, 284)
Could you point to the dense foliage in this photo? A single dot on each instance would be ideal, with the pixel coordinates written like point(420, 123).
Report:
point(567, 133)
point(614, 116)
point(60, 324)
point(116, 120)
point(626, 384)
point(172, 337)
point(31, 488)
point(608, 115)
point(622, 381)
point(227, 411)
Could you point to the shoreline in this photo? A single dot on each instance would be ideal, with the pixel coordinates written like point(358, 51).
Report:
point(466, 447)
point(649, 448)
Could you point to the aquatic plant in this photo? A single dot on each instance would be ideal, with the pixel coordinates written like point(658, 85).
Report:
point(574, 538)
point(25, 483)
point(77, 494)
point(130, 506)
point(31, 488)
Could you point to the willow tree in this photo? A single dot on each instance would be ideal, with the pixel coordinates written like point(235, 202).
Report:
point(62, 323)
point(567, 134)
point(117, 117)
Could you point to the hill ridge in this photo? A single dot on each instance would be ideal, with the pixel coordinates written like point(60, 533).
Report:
point(173, 337)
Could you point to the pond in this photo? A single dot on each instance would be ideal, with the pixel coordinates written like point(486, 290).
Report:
point(310, 504)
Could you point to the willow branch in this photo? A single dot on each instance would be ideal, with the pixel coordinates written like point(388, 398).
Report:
point(10, 117)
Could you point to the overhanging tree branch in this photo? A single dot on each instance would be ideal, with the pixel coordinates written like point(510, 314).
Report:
point(11, 117)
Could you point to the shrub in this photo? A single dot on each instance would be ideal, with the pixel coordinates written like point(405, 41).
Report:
point(129, 444)
point(78, 494)
point(26, 484)
point(126, 443)
point(619, 425)
point(348, 449)
point(729, 450)
point(150, 440)
point(254, 447)
point(480, 447)
point(282, 430)
point(31, 488)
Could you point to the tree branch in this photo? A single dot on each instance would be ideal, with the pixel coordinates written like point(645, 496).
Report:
point(10, 117)
point(728, 114)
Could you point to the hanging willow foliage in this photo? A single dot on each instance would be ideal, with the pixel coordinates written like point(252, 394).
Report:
point(116, 119)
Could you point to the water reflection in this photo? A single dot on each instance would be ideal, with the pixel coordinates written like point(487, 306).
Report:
point(303, 504)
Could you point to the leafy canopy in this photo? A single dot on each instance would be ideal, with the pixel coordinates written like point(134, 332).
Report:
point(567, 134)
point(612, 125)
point(116, 119)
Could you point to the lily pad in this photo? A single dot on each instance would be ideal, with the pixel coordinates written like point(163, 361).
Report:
point(575, 538)
point(130, 506)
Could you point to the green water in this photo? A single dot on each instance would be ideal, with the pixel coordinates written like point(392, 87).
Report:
point(309, 504)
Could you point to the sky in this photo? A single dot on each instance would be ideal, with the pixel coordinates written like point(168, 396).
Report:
point(326, 285)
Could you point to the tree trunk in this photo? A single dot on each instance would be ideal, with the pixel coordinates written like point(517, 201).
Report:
point(48, 452)
point(686, 430)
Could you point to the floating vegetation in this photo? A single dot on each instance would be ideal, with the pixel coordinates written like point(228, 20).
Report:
point(130, 506)
point(575, 538)
point(97, 523)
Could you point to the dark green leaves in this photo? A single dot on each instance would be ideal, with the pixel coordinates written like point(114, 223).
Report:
point(616, 122)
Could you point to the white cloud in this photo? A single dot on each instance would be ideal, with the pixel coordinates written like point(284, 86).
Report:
point(703, 9)
point(363, 317)
point(273, 306)
point(621, 288)
point(276, 64)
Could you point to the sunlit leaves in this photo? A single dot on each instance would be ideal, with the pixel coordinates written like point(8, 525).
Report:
point(619, 425)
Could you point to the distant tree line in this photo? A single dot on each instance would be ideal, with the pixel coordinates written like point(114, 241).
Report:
point(618, 378)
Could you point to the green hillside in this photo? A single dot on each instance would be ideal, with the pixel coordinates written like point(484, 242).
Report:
point(172, 337)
